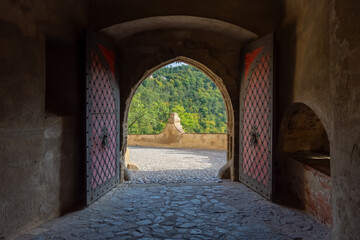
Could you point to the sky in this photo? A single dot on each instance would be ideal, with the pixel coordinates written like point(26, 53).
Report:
point(175, 64)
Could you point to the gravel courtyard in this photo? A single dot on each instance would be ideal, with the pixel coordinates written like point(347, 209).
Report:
point(164, 165)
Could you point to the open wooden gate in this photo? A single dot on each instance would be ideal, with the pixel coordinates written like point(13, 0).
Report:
point(102, 118)
point(256, 116)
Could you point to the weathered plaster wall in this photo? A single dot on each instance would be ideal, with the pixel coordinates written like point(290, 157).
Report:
point(39, 158)
point(302, 69)
point(303, 78)
point(319, 55)
point(345, 128)
point(303, 58)
point(104, 13)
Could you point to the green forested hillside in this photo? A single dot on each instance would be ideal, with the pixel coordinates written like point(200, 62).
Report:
point(182, 89)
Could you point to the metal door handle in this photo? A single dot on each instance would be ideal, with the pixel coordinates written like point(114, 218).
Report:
point(105, 137)
point(254, 136)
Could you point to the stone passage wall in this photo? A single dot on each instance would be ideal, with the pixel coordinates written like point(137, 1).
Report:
point(41, 163)
point(174, 136)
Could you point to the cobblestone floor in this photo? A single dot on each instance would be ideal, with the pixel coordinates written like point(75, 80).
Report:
point(226, 210)
point(201, 207)
point(160, 165)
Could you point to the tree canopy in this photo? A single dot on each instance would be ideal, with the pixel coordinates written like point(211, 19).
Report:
point(182, 89)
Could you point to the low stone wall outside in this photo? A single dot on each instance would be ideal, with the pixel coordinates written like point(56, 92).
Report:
point(173, 136)
point(185, 140)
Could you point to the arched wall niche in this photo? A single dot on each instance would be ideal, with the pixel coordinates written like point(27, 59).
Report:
point(214, 77)
point(302, 130)
point(304, 162)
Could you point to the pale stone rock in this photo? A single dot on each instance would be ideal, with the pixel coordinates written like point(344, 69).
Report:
point(224, 172)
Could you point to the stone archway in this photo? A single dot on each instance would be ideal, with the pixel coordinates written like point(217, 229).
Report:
point(158, 40)
point(225, 171)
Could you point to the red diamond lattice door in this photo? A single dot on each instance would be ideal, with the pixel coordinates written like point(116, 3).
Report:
point(256, 116)
point(102, 118)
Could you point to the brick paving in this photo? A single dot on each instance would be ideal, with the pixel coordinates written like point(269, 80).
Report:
point(192, 210)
